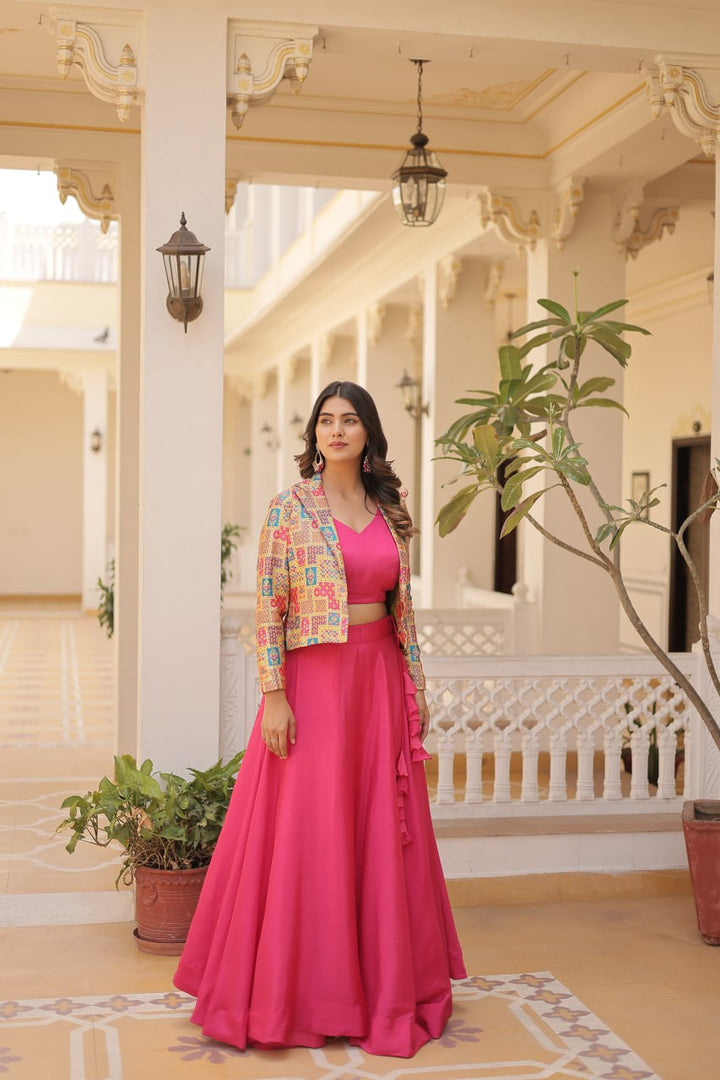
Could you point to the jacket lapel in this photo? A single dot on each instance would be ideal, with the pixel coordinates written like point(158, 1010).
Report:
point(315, 505)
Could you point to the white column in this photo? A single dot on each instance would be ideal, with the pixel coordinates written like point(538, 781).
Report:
point(714, 598)
point(280, 436)
point(183, 147)
point(362, 347)
point(127, 474)
point(95, 466)
point(315, 369)
point(564, 586)
point(429, 391)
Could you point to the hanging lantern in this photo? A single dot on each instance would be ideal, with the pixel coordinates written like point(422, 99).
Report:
point(419, 183)
point(184, 258)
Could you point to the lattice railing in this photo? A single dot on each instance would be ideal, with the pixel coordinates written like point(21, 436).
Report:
point(519, 735)
point(457, 632)
point(550, 730)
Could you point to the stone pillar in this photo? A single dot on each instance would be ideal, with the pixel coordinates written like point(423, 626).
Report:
point(181, 391)
point(127, 493)
point(429, 290)
point(466, 358)
point(714, 597)
point(95, 466)
point(387, 353)
point(578, 609)
point(362, 347)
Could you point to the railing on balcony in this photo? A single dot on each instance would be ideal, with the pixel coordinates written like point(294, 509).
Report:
point(59, 253)
point(513, 735)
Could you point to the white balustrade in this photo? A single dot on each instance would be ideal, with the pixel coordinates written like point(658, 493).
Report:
point(514, 735)
point(60, 253)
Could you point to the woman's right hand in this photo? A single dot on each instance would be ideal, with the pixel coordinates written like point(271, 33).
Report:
point(278, 723)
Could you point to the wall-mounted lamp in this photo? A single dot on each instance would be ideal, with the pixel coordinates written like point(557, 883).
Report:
point(710, 283)
point(184, 258)
point(412, 398)
point(296, 421)
point(96, 441)
point(419, 184)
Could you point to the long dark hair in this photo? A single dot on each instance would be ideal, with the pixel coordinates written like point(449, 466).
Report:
point(381, 483)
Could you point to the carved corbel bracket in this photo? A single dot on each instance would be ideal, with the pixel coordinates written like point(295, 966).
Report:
point(241, 387)
point(492, 285)
point(91, 189)
point(628, 215)
point(689, 87)
point(73, 380)
point(637, 226)
point(231, 186)
point(662, 218)
point(263, 383)
point(326, 344)
point(570, 195)
point(449, 270)
point(413, 327)
point(260, 56)
point(375, 317)
point(505, 213)
point(88, 47)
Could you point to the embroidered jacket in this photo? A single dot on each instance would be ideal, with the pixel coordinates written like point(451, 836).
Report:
point(302, 589)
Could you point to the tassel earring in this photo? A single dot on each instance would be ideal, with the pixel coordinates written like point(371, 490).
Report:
point(318, 461)
point(366, 468)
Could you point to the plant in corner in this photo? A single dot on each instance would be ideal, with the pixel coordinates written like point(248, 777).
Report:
point(167, 827)
point(520, 434)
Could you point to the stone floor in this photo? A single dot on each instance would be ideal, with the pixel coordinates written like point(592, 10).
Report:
point(613, 989)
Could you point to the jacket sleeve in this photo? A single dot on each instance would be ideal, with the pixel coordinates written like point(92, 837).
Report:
point(273, 586)
point(411, 648)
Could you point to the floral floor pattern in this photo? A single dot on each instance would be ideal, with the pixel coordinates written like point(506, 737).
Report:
point(553, 1036)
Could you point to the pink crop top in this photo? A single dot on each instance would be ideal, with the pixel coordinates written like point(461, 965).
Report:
point(371, 558)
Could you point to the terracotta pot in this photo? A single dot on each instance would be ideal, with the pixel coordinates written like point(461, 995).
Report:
point(701, 826)
point(165, 902)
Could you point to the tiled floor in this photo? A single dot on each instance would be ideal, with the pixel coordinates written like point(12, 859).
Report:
point(619, 989)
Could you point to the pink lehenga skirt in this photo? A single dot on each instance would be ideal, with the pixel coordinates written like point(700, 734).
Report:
point(324, 912)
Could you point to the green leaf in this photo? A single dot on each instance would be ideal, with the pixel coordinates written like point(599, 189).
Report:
point(510, 366)
point(605, 530)
point(622, 327)
point(605, 310)
point(512, 492)
point(613, 344)
point(534, 343)
point(597, 385)
point(603, 403)
point(486, 443)
point(522, 511)
point(539, 325)
point(556, 309)
point(454, 511)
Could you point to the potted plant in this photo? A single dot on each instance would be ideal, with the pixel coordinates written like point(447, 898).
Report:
point(523, 430)
point(167, 827)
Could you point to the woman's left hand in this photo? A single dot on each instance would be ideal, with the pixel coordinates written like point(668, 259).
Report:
point(424, 713)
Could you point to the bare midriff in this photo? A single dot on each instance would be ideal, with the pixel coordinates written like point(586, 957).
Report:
point(365, 613)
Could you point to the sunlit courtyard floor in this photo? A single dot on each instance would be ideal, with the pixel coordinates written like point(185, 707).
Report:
point(613, 989)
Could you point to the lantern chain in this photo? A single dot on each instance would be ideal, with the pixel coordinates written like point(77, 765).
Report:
point(419, 94)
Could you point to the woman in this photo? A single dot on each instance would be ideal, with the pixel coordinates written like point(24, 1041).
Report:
point(324, 911)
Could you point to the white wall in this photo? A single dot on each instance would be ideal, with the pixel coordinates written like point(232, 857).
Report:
point(40, 485)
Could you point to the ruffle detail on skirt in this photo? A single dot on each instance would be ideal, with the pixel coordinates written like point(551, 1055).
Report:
point(415, 747)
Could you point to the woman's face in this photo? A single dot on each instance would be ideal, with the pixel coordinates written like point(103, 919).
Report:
point(339, 432)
